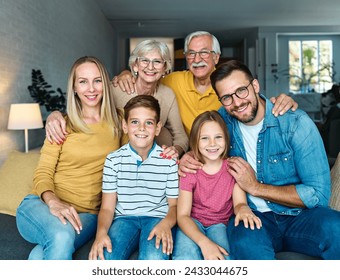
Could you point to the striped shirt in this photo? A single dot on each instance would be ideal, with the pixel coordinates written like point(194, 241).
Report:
point(142, 187)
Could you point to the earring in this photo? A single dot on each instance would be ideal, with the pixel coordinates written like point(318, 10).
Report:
point(135, 73)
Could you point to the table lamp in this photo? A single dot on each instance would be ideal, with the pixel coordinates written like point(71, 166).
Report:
point(25, 116)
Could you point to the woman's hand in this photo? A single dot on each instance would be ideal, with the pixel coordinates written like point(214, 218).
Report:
point(169, 152)
point(125, 81)
point(63, 211)
point(56, 128)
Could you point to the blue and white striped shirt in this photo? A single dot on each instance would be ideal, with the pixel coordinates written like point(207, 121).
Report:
point(142, 187)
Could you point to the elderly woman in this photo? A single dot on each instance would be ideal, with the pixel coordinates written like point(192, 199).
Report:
point(149, 62)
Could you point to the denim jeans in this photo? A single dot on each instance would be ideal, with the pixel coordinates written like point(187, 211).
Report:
point(55, 241)
point(314, 232)
point(186, 249)
point(130, 233)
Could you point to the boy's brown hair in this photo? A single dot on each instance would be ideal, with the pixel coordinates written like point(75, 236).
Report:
point(196, 131)
point(145, 101)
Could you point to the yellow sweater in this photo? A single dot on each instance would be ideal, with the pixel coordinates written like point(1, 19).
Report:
point(191, 103)
point(73, 170)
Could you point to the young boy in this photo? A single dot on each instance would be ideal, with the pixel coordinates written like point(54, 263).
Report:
point(140, 190)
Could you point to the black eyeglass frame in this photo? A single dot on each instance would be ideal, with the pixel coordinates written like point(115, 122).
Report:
point(235, 93)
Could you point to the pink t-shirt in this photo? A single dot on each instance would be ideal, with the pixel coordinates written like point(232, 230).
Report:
point(212, 195)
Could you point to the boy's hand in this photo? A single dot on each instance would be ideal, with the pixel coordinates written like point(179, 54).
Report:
point(163, 234)
point(97, 249)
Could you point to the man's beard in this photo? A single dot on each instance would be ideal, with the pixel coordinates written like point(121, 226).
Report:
point(251, 117)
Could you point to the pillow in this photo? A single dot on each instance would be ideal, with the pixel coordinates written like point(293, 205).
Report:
point(16, 179)
point(335, 174)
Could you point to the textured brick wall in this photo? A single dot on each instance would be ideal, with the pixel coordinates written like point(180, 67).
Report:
point(48, 35)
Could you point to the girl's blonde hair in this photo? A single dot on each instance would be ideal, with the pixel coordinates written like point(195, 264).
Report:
point(209, 116)
point(108, 111)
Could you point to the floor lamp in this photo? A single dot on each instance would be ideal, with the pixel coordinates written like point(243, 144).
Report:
point(25, 116)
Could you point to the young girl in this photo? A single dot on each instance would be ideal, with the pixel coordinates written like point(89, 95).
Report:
point(206, 199)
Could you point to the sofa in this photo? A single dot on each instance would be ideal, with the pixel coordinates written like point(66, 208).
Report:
point(16, 175)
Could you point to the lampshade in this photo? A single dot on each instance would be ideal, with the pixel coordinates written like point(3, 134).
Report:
point(25, 116)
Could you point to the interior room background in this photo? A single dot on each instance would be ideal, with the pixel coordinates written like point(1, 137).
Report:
point(50, 35)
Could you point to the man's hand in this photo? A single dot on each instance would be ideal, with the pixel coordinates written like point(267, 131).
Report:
point(282, 104)
point(188, 164)
point(125, 81)
point(56, 128)
point(243, 174)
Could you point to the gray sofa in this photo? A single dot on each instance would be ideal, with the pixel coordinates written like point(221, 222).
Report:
point(16, 181)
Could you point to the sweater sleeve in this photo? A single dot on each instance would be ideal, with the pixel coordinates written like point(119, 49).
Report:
point(43, 179)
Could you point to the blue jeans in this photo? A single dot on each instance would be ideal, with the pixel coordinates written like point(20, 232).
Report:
point(314, 232)
point(130, 233)
point(186, 249)
point(55, 241)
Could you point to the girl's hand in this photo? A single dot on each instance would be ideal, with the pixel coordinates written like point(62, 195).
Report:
point(162, 232)
point(97, 249)
point(212, 251)
point(248, 217)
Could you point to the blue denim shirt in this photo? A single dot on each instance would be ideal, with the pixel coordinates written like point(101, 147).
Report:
point(290, 151)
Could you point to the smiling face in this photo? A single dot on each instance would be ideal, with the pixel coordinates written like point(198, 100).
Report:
point(202, 68)
point(249, 110)
point(141, 127)
point(212, 142)
point(150, 72)
point(88, 85)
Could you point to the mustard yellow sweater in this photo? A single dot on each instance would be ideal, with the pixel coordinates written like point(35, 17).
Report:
point(73, 170)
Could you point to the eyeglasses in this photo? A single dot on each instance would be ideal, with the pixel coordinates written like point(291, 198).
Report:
point(241, 93)
point(202, 54)
point(156, 63)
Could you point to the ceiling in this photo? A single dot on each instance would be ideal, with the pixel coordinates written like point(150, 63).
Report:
point(227, 20)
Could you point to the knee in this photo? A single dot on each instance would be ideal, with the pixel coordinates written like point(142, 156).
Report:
point(63, 239)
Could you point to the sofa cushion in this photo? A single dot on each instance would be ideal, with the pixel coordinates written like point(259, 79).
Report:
point(12, 245)
point(16, 179)
point(335, 174)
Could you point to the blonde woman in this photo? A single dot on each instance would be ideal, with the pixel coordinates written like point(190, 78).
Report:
point(60, 215)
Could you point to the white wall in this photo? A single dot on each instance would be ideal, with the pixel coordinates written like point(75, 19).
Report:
point(46, 35)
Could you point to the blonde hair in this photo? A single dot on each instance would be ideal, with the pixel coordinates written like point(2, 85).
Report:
point(108, 111)
point(209, 116)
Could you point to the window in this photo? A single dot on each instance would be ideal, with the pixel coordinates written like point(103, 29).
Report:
point(310, 65)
